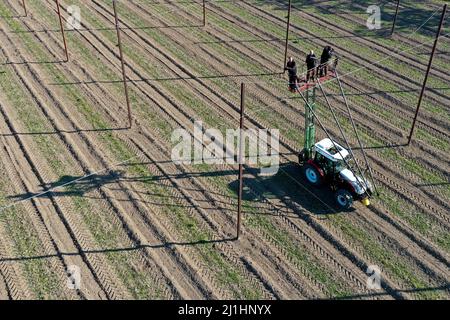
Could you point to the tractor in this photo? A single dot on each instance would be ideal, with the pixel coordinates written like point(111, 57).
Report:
point(328, 163)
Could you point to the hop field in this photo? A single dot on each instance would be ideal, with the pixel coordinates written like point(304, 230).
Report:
point(81, 189)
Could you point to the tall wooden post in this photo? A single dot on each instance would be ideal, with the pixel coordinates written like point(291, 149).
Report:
point(241, 160)
point(204, 13)
point(427, 74)
point(122, 61)
point(24, 8)
point(58, 9)
point(395, 17)
point(288, 27)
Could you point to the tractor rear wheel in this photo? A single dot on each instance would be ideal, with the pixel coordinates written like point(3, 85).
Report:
point(301, 157)
point(312, 175)
point(344, 199)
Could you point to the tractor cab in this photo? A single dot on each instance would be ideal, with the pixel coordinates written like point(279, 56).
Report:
point(330, 156)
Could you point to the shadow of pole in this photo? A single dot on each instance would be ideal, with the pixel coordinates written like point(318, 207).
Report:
point(59, 132)
point(166, 245)
point(445, 287)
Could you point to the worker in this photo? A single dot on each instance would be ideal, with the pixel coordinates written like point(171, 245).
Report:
point(333, 58)
point(311, 64)
point(291, 68)
point(324, 60)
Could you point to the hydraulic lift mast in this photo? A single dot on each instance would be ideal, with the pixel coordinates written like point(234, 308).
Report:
point(326, 162)
point(310, 127)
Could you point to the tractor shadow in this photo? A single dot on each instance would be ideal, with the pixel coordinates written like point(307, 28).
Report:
point(283, 193)
point(289, 191)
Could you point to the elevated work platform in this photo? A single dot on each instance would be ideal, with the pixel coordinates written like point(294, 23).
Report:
point(303, 86)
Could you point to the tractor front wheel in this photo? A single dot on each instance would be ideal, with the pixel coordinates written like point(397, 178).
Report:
point(312, 175)
point(344, 199)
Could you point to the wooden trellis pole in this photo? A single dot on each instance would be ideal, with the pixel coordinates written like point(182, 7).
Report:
point(61, 25)
point(395, 17)
point(430, 63)
point(288, 27)
point(241, 160)
point(204, 13)
point(58, 10)
point(24, 7)
point(122, 61)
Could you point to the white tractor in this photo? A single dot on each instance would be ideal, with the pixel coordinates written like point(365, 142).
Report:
point(326, 164)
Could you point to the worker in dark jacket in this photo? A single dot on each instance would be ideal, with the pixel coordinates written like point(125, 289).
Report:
point(291, 68)
point(311, 64)
point(327, 54)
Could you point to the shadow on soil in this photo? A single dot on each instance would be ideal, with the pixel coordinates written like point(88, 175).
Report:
point(17, 16)
point(166, 245)
point(69, 186)
point(78, 186)
point(59, 132)
point(81, 186)
point(290, 188)
point(287, 187)
point(33, 62)
point(429, 185)
point(445, 287)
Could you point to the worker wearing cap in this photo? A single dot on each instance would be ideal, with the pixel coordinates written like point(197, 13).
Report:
point(327, 54)
point(311, 64)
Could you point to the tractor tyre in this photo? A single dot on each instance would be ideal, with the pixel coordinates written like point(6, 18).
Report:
point(344, 199)
point(312, 175)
